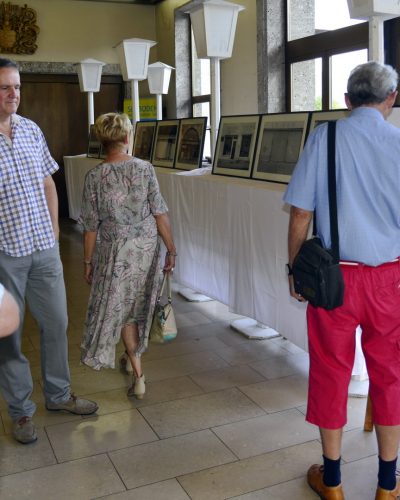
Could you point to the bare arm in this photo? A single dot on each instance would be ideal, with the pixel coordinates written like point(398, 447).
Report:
point(9, 315)
point(89, 244)
point(164, 230)
point(299, 224)
point(52, 203)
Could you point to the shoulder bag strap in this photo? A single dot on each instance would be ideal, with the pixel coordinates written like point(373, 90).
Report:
point(169, 293)
point(332, 189)
point(166, 281)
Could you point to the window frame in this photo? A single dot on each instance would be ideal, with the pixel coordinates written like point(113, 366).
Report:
point(323, 45)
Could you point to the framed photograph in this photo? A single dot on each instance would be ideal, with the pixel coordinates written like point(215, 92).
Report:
point(165, 140)
point(394, 117)
point(236, 143)
point(318, 117)
point(189, 151)
point(94, 145)
point(144, 139)
point(280, 142)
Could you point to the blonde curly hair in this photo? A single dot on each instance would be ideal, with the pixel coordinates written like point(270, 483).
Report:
point(112, 129)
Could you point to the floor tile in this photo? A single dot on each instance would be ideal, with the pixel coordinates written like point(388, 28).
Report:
point(200, 412)
point(355, 412)
point(297, 489)
point(81, 479)
point(358, 444)
point(168, 458)
point(221, 330)
point(15, 457)
point(43, 417)
point(215, 310)
point(248, 438)
point(90, 381)
point(232, 376)
point(359, 479)
point(156, 392)
point(278, 394)
point(164, 490)
point(192, 318)
point(251, 352)
point(287, 345)
point(283, 366)
point(178, 347)
point(96, 435)
point(179, 366)
point(251, 474)
point(223, 416)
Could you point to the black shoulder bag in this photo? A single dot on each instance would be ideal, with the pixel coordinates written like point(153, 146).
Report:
point(316, 270)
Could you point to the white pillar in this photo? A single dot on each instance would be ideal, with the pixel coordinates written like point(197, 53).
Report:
point(376, 39)
point(135, 101)
point(159, 106)
point(215, 101)
point(90, 109)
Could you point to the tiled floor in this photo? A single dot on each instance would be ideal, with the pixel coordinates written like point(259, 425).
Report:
point(223, 418)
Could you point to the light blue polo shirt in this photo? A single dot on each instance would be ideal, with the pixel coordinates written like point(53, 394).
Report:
point(368, 186)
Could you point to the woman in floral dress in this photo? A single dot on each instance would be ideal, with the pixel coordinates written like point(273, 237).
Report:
point(124, 216)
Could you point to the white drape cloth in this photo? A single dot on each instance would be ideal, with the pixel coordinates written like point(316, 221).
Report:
point(231, 236)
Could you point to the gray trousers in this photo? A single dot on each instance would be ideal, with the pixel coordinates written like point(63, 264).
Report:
point(38, 278)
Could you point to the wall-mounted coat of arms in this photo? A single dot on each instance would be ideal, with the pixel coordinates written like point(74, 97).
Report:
point(18, 29)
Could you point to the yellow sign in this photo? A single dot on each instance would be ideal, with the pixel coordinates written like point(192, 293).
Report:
point(147, 108)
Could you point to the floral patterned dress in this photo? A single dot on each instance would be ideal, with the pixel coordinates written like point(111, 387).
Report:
point(119, 202)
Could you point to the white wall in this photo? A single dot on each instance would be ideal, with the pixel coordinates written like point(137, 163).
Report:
point(71, 31)
point(239, 73)
point(74, 30)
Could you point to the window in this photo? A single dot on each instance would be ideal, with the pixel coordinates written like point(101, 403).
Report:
point(323, 45)
point(309, 17)
point(341, 65)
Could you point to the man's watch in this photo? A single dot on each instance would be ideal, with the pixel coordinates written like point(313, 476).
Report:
point(289, 270)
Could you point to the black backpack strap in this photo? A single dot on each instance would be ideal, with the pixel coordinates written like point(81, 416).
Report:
point(332, 189)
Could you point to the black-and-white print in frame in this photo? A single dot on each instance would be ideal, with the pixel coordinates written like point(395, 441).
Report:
point(236, 144)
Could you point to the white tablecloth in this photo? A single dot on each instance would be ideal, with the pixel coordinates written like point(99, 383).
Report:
point(231, 236)
point(75, 168)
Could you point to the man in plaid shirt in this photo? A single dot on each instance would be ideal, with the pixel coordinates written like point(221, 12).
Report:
point(30, 264)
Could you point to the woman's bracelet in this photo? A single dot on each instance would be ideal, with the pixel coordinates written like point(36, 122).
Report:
point(172, 254)
point(87, 262)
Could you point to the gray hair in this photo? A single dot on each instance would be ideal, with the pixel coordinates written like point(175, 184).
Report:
point(371, 83)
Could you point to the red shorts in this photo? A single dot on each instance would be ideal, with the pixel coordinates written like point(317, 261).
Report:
point(372, 300)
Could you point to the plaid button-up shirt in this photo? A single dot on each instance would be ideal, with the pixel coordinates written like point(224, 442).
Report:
point(25, 224)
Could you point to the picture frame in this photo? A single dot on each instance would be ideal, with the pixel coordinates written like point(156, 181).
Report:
point(236, 144)
point(318, 117)
point(94, 145)
point(144, 139)
point(165, 140)
point(189, 151)
point(394, 117)
point(280, 141)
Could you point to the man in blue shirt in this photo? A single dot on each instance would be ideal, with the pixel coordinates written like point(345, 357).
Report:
point(30, 264)
point(368, 200)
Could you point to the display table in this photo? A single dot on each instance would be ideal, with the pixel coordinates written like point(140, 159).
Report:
point(231, 236)
point(76, 168)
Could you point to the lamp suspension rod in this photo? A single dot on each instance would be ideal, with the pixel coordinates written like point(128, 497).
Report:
point(159, 106)
point(90, 109)
point(215, 101)
point(135, 101)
